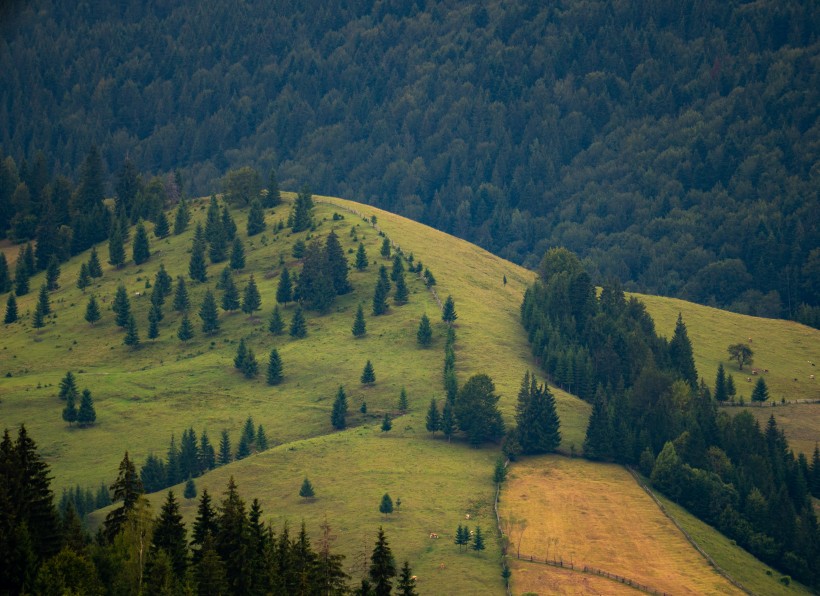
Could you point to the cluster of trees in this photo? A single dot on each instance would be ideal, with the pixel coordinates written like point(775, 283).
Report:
point(650, 410)
point(229, 550)
point(671, 146)
point(85, 415)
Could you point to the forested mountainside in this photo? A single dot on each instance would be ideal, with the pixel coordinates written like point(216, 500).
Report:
point(672, 145)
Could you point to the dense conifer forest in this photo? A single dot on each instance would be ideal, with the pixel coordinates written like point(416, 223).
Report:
point(672, 146)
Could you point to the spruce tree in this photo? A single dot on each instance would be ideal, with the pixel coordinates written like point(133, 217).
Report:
point(43, 302)
point(230, 293)
point(307, 491)
point(303, 211)
point(760, 393)
point(478, 540)
point(250, 368)
point(241, 355)
point(402, 293)
point(84, 279)
point(448, 421)
point(181, 218)
point(731, 391)
point(121, 306)
point(368, 374)
point(243, 450)
point(52, 273)
point(721, 395)
point(403, 400)
point(126, 488)
point(298, 325)
point(209, 314)
point(387, 424)
point(154, 317)
point(38, 318)
point(276, 324)
point(448, 314)
point(197, 268)
point(433, 417)
point(680, 353)
point(338, 416)
point(70, 409)
point(5, 275)
point(476, 410)
point(261, 439)
point(359, 325)
point(274, 368)
point(224, 448)
point(599, 435)
point(68, 386)
point(237, 254)
point(424, 335)
point(315, 286)
point(86, 415)
point(141, 250)
point(186, 330)
point(181, 301)
point(386, 504)
point(92, 310)
point(21, 275)
point(284, 292)
point(407, 582)
point(207, 454)
point(385, 250)
point(337, 264)
point(382, 565)
point(163, 283)
point(273, 197)
point(11, 309)
point(381, 292)
point(94, 267)
point(132, 338)
point(162, 227)
point(251, 300)
point(536, 418)
point(116, 248)
point(190, 489)
point(256, 218)
point(28, 257)
point(398, 268)
point(228, 224)
point(462, 536)
point(361, 258)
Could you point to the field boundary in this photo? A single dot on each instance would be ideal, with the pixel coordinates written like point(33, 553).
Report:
point(767, 404)
point(686, 534)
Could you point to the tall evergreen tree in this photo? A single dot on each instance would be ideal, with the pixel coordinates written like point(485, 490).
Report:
point(424, 335)
point(154, 317)
point(598, 440)
point(681, 355)
point(721, 394)
point(387, 423)
point(403, 405)
point(163, 283)
point(398, 268)
point(284, 292)
point(273, 196)
point(68, 386)
point(52, 273)
point(43, 302)
point(121, 306)
point(448, 421)
point(209, 314)
point(21, 275)
point(5, 275)
point(315, 286)
point(303, 211)
point(361, 258)
point(207, 453)
point(298, 325)
point(132, 338)
point(228, 224)
point(237, 254)
point(386, 504)
point(189, 457)
point(306, 491)
point(116, 248)
point(256, 218)
point(337, 264)
point(433, 417)
point(11, 309)
point(381, 292)
point(230, 293)
point(162, 228)
point(126, 488)
point(368, 374)
point(86, 415)
point(476, 410)
point(241, 355)
point(402, 293)
point(478, 540)
point(127, 188)
point(251, 300)
point(276, 324)
point(338, 416)
point(536, 418)
point(250, 367)
point(181, 301)
point(186, 330)
point(462, 536)
point(761, 392)
point(274, 368)
point(94, 267)
point(224, 448)
point(448, 314)
point(231, 539)
point(261, 440)
point(70, 409)
point(382, 566)
point(197, 268)
point(182, 217)
point(38, 318)
point(359, 325)
point(83, 279)
point(385, 250)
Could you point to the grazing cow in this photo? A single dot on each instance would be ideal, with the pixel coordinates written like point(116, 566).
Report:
point(137, 294)
point(811, 377)
point(748, 379)
point(433, 535)
point(441, 566)
point(414, 578)
point(750, 339)
point(472, 532)
point(467, 516)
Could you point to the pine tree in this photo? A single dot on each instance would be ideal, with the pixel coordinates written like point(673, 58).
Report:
point(181, 218)
point(361, 258)
point(273, 197)
point(274, 368)
point(407, 582)
point(241, 355)
point(402, 293)
point(190, 489)
point(307, 491)
point(224, 449)
point(251, 300)
point(403, 400)
point(116, 248)
point(448, 421)
point(84, 279)
point(425, 333)
point(433, 417)
point(154, 317)
point(86, 415)
point(243, 450)
point(261, 439)
point(256, 218)
point(338, 416)
point(537, 420)
point(680, 353)
point(186, 330)
point(359, 325)
point(5, 275)
point(126, 488)
point(337, 264)
point(276, 324)
point(462, 537)
point(197, 268)
point(181, 301)
point(303, 211)
point(38, 318)
point(476, 410)
point(228, 224)
point(387, 424)
point(386, 504)
point(298, 325)
point(368, 374)
point(121, 306)
point(132, 338)
point(250, 368)
point(161, 227)
point(448, 314)
point(163, 283)
point(478, 540)
point(94, 267)
point(11, 309)
point(398, 268)
point(237, 254)
point(760, 393)
point(599, 436)
point(70, 409)
point(721, 394)
point(52, 273)
point(382, 566)
point(381, 292)
point(230, 293)
point(814, 480)
point(68, 386)
point(385, 250)
point(207, 454)
point(730, 386)
point(209, 314)
point(315, 286)
point(284, 292)
point(21, 275)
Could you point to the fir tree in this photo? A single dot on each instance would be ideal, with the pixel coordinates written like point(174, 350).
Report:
point(382, 566)
point(337, 264)
point(478, 540)
point(500, 470)
point(476, 410)
point(197, 268)
point(284, 292)
point(387, 424)
point(298, 325)
point(141, 250)
point(5, 275)
point(186, 330)
point(433, 417)
point(243, 450)
point(224, 449)
point(209, 314)
point(537, 420)
point(11, 309)
point(70, 409)
point(338, 416)
point(462, 536)
point(276, 324)
point(386, 504)
point(315, 286)
point(207, 454)
point(721, 394)
point(38, 318)
point(68, 387)
point(359, 325)
point(381, 292)
point(121, 306)
point(126, 488)
point(273, 197)
point(403, 400)
point(237, 254)
point(256, 218)
point(94, 267)
point(303, 211)
point(163, 283)
point(306, 491)
point(760, 393)
point(116, 248)
point(425, 333)
point(181, 301)
point(52, 273)
point(28, 258)
point(402, 293)
point(161, 227)
point(274, 368)
point(598, 440)
point(261, 439)
point(680, 353)
point(43, 302)
point(190, 489)
point(230, 293)
point(298, 249)
point(407, 582)
point(368, 374)
point(228, 224)
point(132, 338)
point(153, 321)
point(86, 415)
point(385, 250)
point(250, 368)
point(181, 218)
point(241, 355)
point(251, 300)
point(172, 469)
point(21, 275)
point(731, 391)
point(84, 279)
point(361, 258)
point(429, 279)
point(398, 268)
point(448, 421)
point(448, 314)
